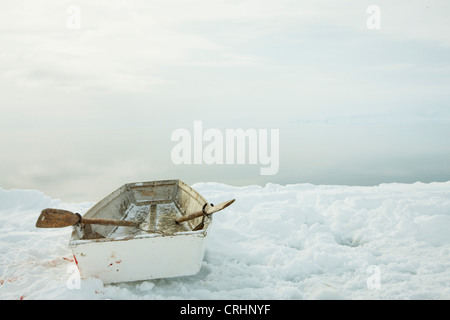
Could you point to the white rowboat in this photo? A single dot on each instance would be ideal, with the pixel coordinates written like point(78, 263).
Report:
point(156, 246)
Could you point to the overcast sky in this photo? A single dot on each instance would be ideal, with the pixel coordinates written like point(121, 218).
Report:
point(86, 110)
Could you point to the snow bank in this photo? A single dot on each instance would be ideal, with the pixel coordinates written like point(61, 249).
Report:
point(275, 242)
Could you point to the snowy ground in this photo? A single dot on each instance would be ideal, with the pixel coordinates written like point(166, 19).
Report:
point(275, 242)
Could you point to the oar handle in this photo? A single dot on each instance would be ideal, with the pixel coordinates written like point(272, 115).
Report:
point(189, 217)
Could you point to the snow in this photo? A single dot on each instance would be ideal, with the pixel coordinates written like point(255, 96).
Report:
point(300, 241)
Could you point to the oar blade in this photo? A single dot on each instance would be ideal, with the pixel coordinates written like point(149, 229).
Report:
point(57, 218)
point(211, 209)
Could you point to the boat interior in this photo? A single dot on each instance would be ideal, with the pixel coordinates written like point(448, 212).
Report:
point(153, 206)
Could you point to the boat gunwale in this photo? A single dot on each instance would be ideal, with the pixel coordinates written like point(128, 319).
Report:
point(75, 242)
point(179, 184)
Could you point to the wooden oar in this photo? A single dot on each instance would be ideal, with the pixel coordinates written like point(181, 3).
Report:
point(58, 218)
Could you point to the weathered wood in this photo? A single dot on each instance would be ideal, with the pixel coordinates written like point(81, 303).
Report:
point(58, 218)
point(107, 222)
point(208, 211)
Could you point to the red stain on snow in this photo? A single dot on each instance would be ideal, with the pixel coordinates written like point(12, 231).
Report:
point(58, 261)
point(2, 281)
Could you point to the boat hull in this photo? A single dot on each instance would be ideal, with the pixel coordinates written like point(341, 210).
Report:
point(120, 254)
point(140, 258)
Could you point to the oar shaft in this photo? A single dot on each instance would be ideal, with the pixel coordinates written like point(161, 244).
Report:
point(107, 222)
point(189, 217)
